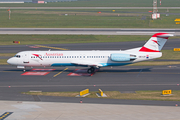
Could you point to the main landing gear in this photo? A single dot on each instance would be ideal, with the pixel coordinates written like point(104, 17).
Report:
point(91, 70)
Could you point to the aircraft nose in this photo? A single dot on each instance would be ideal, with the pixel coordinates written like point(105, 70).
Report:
point(11, 61)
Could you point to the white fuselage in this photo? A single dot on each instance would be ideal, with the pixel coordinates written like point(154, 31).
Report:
point(77, 58)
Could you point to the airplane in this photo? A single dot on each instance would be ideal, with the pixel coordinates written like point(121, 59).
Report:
point(92, 59)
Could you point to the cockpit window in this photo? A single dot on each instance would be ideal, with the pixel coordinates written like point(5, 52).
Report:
point(18, 56)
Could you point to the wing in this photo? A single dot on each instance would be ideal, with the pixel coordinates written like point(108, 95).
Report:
point(86, 63)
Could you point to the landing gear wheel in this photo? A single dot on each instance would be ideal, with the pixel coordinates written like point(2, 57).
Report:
point(91, 70)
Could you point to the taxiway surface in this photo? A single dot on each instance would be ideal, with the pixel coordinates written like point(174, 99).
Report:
point(170, 45)
point(126, 78)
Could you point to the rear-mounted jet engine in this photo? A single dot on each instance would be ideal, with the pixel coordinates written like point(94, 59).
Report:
point(118, 57)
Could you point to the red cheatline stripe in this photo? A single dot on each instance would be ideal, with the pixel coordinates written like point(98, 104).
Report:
point(144, 49)
point(37, 56)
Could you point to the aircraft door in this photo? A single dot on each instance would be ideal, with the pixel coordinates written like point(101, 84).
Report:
point(26, 57)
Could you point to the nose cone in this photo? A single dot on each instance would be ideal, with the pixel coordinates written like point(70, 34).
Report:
point(11, 61)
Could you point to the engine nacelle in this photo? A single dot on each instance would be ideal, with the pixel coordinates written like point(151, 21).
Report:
point(118, 57)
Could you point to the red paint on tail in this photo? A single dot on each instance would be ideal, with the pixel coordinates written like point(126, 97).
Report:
point(144, 49)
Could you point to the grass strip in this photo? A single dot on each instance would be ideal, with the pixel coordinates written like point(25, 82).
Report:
point(139, 95)
point(3, 62)
point(155, 63)
point(86, 19)
point(170, 55)
point(65, 39)
point(7, 54)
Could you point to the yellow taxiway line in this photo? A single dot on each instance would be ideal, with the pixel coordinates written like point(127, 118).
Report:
point(60, 72)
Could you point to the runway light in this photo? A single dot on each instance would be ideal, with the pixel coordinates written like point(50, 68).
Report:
point(177, 84)
point(94, 85)
point(176, 105)
point(9, 86)
point(80, 101)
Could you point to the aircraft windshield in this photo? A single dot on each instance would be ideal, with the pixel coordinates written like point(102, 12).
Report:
point(18, 56)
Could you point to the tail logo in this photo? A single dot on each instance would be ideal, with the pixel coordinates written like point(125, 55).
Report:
point(156, 42)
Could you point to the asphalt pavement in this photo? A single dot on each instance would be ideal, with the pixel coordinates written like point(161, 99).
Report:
point(125, 78)
point(170, 45)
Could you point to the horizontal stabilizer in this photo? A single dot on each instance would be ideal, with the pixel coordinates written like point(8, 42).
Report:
point(163, 35)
